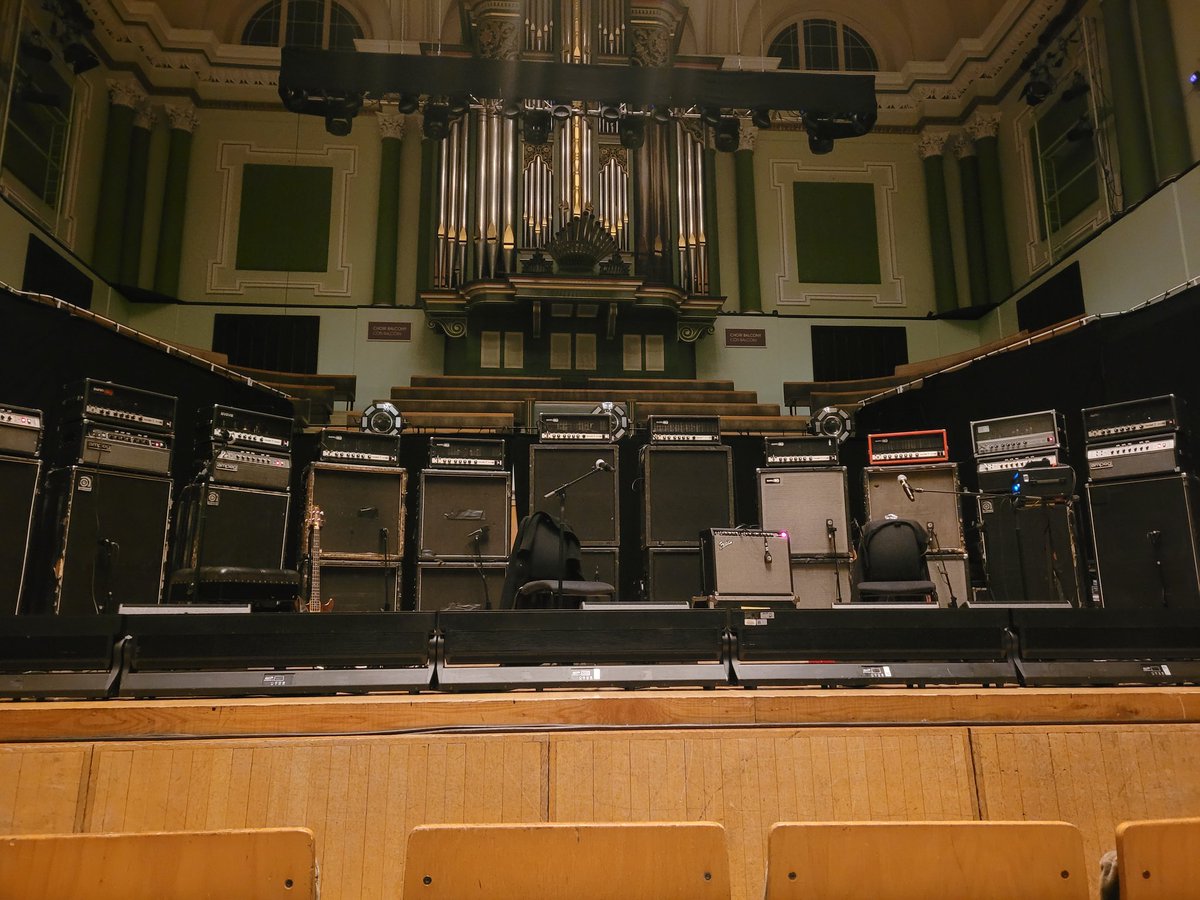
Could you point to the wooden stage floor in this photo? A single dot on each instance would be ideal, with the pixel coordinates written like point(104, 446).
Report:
point(363, 771)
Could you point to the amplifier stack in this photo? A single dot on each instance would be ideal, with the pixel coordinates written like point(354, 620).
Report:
point(20, 442)
point(1142, 500)
point(464, 523)
point(802, 492)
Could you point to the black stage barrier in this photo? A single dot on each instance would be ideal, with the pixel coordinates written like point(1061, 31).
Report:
point(247, 654)
point(1107, 646)
point(58, 656)
point(862, 646)
point(581, 648)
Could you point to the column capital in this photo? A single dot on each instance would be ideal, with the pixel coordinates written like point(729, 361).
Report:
point(182, 116)
point(932, 143)
point(984, 123)
point(391, 125)
point(964, 147)
point(145, 117)
point(125, 92)
point(747, 135)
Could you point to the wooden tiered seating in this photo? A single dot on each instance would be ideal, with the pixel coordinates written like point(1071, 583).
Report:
point(570, 395)
point(251, 864)
point(1159, 860)
point(632, 861)
point(926, 861)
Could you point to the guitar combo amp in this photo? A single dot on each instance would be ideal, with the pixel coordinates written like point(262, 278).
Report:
point(746, 567)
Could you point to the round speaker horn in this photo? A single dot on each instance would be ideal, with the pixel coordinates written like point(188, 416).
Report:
point(382, 418)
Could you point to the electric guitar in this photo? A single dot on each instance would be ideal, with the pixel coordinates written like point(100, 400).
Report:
point(316, 518)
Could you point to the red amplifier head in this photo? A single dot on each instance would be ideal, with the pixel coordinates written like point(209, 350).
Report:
point(907, 447)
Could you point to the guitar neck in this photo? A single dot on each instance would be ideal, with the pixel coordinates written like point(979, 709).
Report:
point(314, 594)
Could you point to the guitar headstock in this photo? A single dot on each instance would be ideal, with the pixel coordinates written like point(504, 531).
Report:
point(316, 518)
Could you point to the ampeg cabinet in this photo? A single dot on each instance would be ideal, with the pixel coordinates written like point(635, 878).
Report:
point(810, 504)
point(241, 526)
point(673, 574)
point(359, 585)
point(592, 504)
point(362, 509)
point(460, 585)
point(686, 490)
point(1030, 552)
point(936, 499)
point(464, 515)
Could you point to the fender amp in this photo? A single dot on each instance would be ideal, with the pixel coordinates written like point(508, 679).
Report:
point(750, 566)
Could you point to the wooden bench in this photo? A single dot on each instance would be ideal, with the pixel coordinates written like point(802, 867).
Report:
point(766, 426)
point(926, 861)
point(313, 403)
point(344, 387)
point(1159, 860)
point(518, 409)
point(643, 410)
point(659, 384)
point(450, 422)
point(570, 396)
point(630, 861)
point(486, 381)
point(800, 393)
point(251, 864)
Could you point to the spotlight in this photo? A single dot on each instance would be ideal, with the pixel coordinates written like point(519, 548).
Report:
point(662, 114)
point(632, 130)
point(435, 123)
point(710, 115)
point(459, 105)
point(819, 145)
point(561, 111)
point(536, 127)
point(338, 125)
point(761, 117)
point(408, 104)
point(610, 112)
point(340, 111)
point(1038, 88)
point(726, 135)
point(296, 100)
point(1081, 130)
point(79, 57)
point(1076, 89)
point(382, 418)
point(511, 109)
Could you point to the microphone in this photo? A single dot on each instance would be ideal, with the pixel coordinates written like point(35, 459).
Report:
point(767, 557)
point(479, 533)
point(908, 491)
point(603, 465)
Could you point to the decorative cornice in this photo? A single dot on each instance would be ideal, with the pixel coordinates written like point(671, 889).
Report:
point(963, 146)
point(932, 143)
point(391, 125)
point(984, 123)
point(182, 116)
point(747, 135)
point(123, 92)
point(145, 117)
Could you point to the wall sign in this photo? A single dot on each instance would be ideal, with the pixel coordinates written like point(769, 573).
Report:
point(745, 337)
point(389, 331)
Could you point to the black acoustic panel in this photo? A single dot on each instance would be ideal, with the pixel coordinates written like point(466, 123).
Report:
point(48, 272)
point(673, 575)
point(359, 586)
point(455, 505)
point(820, 582)
point(939, 504)
point(18, 489)
point(362, 509)
point(802, 502)
point(592, 504)
point(241, 526)
point(686, 490)
point(110, 539)
point(459, 586)
point(1030, 552)
point(1145, 542)
point(601, 564)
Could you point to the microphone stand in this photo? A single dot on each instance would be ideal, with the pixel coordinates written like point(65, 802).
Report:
point(561, 493)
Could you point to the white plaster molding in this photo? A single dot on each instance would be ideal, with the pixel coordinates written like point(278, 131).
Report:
point(932, 143)
point(790, 292)
point(984, 123)
point(125, 92)
point(747, 135)
point(182, 116)
point(145, 118)
point(223, 275)
point(964, 147)
point(391, 125)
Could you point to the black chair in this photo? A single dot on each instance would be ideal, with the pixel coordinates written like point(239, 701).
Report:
point(891, 564)
point(532, 578)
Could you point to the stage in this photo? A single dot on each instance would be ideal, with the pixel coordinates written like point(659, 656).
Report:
point(362, 771)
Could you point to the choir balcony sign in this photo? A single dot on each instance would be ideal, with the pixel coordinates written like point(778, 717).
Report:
point(745, 337)
point(389, 331)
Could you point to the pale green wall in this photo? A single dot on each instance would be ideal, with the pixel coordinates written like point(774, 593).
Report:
point(1185, 17)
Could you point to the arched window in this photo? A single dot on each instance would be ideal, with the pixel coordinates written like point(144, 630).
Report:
point(823, 45)
point(305, 25)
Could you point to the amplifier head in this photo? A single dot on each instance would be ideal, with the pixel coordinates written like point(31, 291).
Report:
point(365, 448)
point(246, 428)
point(1020, 435)
point(119, 404)
point(904, 448)
point(466, 453)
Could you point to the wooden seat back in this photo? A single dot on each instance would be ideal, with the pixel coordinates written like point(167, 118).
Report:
point(251, 864)
point(926, 861)
point(1159, 860)
point(632, 861)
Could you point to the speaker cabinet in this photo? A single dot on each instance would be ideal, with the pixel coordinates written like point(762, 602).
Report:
point(592, 505)
point(1030, 553)
point(362, 510)
point(941, 506)
point(820, 582)
point(460, 586)
point(18, 490)
point(601, 564)
point(746, 565)
point(455, 505)
point(1145, 541)
point(686, 490)
point(243, 527)
point(110, 538)
point(360, 586)
point(807, 504)
point(950, 572)
point(673, 575)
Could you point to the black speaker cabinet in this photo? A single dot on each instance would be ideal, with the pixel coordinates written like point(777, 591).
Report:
point(455, 506)
point(362, 509)
point(592, 504)
point(460, 586)
point(808, 504)
point(242, 526)
point(18, 490)
point(820, 582)
point(1145, 541)
point(673, 575)
point(884, 494)
point(110, 538)
point(686, 490)
point(1030, 553)
point(359, 585)
point(601, 564)
point(746, 565)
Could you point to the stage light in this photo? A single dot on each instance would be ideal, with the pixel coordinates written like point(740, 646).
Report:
point(435, 123)
point(761, 117)
point(610, 112)
point(340, 112)
point(338, 125)
point(79, 57)
point(536, 127)
point(561, 111)
point(819, 145)
point(662, 114)
point(408, 104)
point(726, 135)
point(511, 109)
point(632, 131)
point(710, 115)
point(458, 105)
point(1038, 87)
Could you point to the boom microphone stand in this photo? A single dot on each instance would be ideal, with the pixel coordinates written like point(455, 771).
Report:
point(561, 492)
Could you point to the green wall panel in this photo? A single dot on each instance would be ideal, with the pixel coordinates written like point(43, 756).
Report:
point(837, 241)
point(283, 225)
